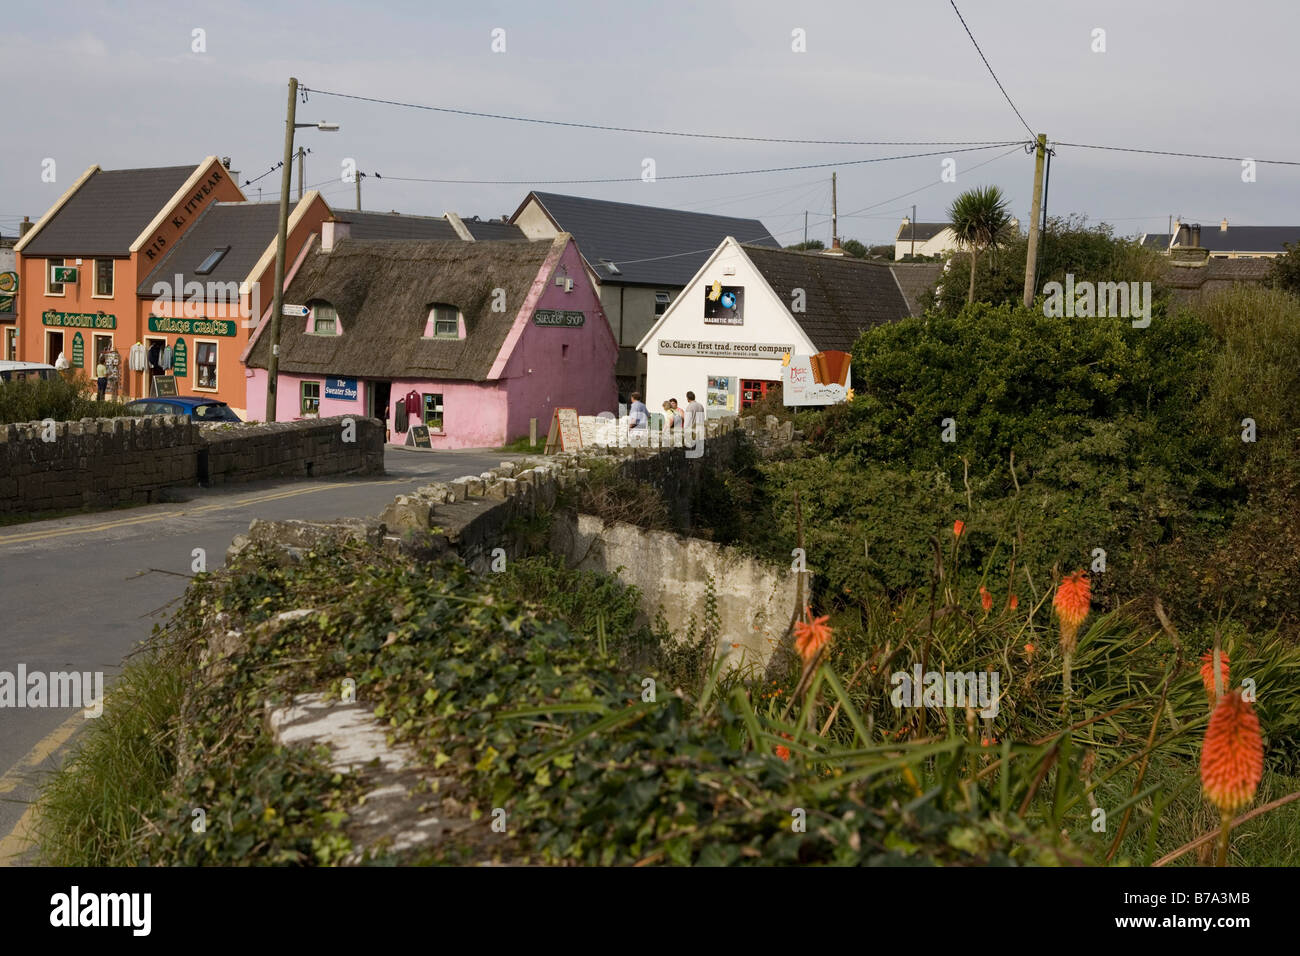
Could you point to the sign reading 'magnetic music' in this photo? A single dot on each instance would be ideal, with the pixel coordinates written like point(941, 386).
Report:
point(158, 323)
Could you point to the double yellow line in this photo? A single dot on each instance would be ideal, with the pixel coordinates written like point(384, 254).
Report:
point(17, 841)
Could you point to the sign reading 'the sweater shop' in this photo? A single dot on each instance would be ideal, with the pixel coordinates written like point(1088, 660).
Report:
point(344, 389)
point(557, 317)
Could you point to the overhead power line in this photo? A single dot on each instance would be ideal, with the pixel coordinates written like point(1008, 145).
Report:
point(652, 132)
point(1166, 152)
point(990, 69)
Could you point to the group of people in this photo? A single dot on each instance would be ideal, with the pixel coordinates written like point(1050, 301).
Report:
point(677, 421)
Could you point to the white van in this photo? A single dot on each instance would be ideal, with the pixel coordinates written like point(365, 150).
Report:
point(9, 371)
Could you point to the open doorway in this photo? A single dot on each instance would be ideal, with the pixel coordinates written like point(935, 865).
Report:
point(53, 346)
point(153, 349)
point(377, 397)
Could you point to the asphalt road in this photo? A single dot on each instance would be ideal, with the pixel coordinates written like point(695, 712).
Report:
point(80, 593)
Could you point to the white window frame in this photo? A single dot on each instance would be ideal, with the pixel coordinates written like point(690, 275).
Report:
point(94, 279)
point(216, 365)
point(49, 278)
point(302, 396)
point(441, 408)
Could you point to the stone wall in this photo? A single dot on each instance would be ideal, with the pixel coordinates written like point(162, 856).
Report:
point(105, 462)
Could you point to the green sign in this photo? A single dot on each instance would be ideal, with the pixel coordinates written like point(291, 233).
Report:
point(568, 320)
point(78, 351)
point(80, 320)
point(8, 292)
point(179, 357)
point(158, 323)
point(64, 274)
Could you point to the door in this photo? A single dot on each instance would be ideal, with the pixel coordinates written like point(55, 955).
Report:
point(754, 390)
point(378, 395)
point(11, 345)
point(53, 346)
point(148, 370)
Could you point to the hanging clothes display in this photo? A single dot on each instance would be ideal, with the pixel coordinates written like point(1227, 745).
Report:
point(135, 358)
point(167, 358)
point(155, 358)
point(400, 419)
point(412, 403)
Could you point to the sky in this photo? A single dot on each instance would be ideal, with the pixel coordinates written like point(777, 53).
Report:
point(121, 85)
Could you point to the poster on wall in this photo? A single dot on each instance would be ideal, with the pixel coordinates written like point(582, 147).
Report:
point(821, 379)
point(724, 304)
point(721, 394)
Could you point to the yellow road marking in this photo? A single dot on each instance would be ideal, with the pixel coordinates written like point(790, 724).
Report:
point(16, 842)
point(200, 509)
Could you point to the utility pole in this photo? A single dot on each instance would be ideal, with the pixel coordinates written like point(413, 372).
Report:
point(835, 221)
point(281, 241)
point(805, 228)
point(913, 221)
point(301, 162)
point(359, 177)
point(1031, 254)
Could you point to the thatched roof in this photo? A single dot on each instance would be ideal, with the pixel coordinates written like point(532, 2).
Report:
point(383, 290)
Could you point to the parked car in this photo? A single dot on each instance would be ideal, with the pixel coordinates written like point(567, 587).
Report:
point(11, 371)
point(197, 408)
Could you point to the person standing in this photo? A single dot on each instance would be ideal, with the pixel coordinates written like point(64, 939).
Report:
point(101, 377)
point(694, 417)
point(638, 420)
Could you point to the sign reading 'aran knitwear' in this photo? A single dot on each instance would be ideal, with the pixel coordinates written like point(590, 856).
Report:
point(762, 350)
point(568, 320)
point(79, 320)
point(158, 323)
point(193, 203)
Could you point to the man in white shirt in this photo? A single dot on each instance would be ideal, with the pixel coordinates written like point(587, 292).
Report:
point(693, 419)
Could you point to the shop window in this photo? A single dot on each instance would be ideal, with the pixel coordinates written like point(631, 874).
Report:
point(102, 344)
point(755, 390)
point(309, 398)
point(52, 287)
point(443, 323)
point(205, 365)
point(104, 278)
point(324, 319)
point(433, 411)
point(11, 345)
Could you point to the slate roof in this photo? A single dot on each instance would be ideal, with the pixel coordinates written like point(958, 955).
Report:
point(651, 245)
point(915, 279)
point(1156, 240)
point(248, 228)
point(494, 230)
point(108, 212)
point(843, 296)
point(924, 231)
point(1187, 281)
point(383, 289)
point(1244, 238)
point(393, 225)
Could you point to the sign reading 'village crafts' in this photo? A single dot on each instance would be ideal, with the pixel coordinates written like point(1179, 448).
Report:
point(79, 320)
point(568, 320)
point(159, 323)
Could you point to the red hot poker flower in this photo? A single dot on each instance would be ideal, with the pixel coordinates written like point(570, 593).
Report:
point(1232, 757)
point(957, 528)
point(810, 637)
point(1207, 672)
point(1073, 602)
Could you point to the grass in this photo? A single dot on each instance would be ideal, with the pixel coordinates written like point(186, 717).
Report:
point(521, 446)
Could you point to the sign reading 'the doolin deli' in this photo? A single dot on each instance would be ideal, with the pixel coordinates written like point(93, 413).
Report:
point(762, 350)
point(80, 320)
point(568, 320)
point(158, 323)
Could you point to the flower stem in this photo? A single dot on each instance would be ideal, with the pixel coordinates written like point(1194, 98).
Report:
point(1223, 840)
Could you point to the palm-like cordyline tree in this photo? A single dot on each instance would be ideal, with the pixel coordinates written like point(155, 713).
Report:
point(980, 221)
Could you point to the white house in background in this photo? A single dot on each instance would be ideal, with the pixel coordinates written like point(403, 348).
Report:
point(923, 238)
point(725, 335)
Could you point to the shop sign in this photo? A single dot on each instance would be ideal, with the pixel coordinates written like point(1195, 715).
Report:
point(79, 320)
point(760, 350)
point(341, 388)
point(8, 292)
point(180, 359)
point(724, 304)
point(78, 351)
point(64, 274)
point(158, 323)
point(555, 317)
point(821, 379)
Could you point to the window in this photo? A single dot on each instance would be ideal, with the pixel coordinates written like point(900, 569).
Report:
point(662, 299)
point(325, 319)
point(205, 365)
point(433, 411)
point(103, 278)
point(443, 323)
point(210, 263)
point(309, 398)
point(11, 345)
point(101, 344)
point(52, 287)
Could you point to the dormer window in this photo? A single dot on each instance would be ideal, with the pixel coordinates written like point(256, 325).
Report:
point(444, 322)
point(324, 319)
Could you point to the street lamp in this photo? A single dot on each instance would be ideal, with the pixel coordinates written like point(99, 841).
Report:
point(282, 240)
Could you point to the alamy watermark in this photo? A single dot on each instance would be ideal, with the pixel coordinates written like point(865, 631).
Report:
point(54, 689)
point(946, 689)
point(1125, 300)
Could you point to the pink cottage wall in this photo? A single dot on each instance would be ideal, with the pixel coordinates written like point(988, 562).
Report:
point(540, 374)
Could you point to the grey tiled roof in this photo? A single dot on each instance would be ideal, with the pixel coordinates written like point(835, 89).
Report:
point(843, 296)
point(1244, 238)
point(915, 279)
point(108, 212)
point(1156, 240)
point(392, 225)
point(248, 228)
point(650, 245)
point(924, 231)
point(494, 230)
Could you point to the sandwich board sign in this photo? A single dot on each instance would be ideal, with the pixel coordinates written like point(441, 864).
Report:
point(564, 435)
point(418, 437)
point(164, 386)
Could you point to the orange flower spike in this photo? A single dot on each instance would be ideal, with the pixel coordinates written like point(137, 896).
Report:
point(957, 528)
point(1029, 650)
point(811, 637)
point(1207, 673)
point(1013, 602)
point(1073, 602)
point(1232, 757)
point(986, 599)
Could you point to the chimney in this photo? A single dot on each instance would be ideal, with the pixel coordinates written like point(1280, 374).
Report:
point(1196, 235)
point(331, 231)
point(25, 226)
point(1223, 225)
